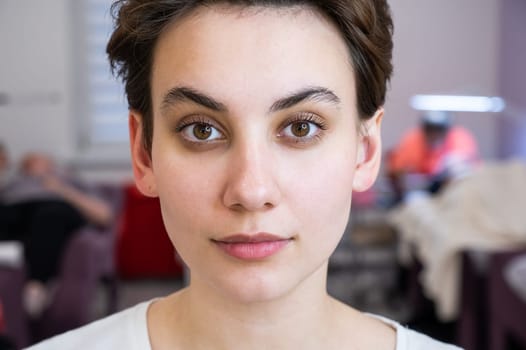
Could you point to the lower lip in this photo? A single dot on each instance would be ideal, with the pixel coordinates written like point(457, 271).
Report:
point(252, 250)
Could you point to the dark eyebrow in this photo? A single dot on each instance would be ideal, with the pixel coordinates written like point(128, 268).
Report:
point(179, 94)
point(313, 93)
point(183, 93)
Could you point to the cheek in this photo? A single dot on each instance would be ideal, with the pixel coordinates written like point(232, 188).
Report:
point(184, 214)
point(183, 193)
point(322, 195)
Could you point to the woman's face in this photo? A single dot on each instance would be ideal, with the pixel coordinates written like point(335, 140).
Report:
point(255, 146)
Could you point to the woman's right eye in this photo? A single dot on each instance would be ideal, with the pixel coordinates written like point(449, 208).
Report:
point(200, 132)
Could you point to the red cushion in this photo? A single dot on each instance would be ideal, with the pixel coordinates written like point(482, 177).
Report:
point(143, 247)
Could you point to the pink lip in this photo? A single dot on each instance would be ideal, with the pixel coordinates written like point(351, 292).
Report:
point(252, 247)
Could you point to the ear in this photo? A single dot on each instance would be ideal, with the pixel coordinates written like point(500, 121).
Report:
point(141, 159)
point(369, 154)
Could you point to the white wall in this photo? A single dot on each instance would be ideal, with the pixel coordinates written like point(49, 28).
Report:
point(35, 74)
point(512, 79)
point(440, 47)
point(448, 47)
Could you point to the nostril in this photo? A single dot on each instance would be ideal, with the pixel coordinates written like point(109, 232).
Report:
point(236, 207)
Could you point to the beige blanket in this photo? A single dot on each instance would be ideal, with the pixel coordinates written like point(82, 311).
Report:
point(484, 211)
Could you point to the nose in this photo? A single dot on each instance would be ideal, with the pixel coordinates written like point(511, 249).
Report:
point(252, 183)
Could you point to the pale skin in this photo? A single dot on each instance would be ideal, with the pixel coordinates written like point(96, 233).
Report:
point(250, 140)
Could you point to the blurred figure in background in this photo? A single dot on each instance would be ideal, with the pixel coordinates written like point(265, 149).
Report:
point(42, 206)
point(4, 166)
point(430, 155)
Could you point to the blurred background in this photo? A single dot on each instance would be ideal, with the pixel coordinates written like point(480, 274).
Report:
point(441, 250)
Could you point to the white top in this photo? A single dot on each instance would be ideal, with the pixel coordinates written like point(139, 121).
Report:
point(128, 330)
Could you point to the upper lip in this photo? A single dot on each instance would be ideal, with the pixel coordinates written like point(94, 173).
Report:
point(251, 238)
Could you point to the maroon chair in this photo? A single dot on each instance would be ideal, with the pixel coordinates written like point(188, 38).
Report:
point(507, 312)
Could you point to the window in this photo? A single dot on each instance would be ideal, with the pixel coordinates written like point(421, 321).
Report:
point(100, 101)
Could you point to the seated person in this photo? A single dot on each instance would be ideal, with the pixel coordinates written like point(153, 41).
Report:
point(433, 153)
point(42, 206)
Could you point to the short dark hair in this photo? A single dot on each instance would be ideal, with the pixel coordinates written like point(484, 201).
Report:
point(365, 25)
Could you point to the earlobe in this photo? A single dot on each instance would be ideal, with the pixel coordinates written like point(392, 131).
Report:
point(368, 156)
point(141, 159)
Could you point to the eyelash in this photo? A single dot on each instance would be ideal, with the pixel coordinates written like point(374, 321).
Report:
point(193, 119)
point(196, 120)
point(305, 117)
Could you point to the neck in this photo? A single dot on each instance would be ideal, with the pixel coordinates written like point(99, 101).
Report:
point(211, 320)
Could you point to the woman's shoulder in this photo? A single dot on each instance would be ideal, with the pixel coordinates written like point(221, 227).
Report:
point(124, 330)
point(408, 339)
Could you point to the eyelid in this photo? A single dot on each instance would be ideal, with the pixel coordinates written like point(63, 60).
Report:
point(196, 119)
point(305, 117)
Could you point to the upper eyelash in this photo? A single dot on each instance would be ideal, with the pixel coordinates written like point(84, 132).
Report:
point(299, 117)
point(306, 117)
point(196, 119)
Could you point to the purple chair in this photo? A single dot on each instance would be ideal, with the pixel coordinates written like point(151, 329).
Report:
point(88, 260)
point(507, 311)
point(11, 283)
point(489, 310)
point(472, 322)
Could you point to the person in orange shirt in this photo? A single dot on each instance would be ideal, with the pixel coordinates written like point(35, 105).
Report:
point(436, 151)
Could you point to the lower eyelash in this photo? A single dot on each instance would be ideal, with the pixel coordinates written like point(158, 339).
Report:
point(310, 140)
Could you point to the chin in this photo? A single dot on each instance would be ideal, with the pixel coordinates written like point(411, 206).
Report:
point(255, 287)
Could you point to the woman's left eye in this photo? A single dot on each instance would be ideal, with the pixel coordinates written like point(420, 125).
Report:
point(302, 130)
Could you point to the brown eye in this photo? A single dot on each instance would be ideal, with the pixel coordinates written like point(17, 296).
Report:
point(304, 128)
point(202, 131)
point(300, 129)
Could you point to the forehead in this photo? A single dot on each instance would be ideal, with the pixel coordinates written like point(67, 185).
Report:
point(255, 50)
